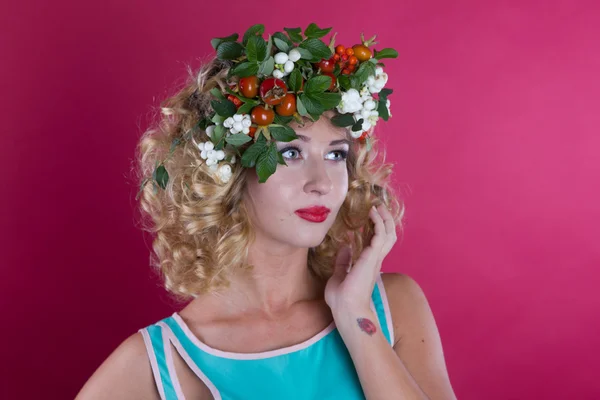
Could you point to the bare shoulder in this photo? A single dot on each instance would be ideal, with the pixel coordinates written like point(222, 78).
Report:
point(417, 339)
point(125, 374)
point(404, 295)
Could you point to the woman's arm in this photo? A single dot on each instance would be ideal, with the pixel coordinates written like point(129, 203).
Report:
point(414, 368)
point(125, 374)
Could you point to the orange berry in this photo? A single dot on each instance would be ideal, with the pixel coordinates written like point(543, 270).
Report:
point(352, 60)
point(339, 49)
point(350, 51)
point(336, 56)
point(345, 71)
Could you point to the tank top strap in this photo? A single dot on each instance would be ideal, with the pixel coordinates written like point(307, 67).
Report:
point(382, 308)
point(161, 360)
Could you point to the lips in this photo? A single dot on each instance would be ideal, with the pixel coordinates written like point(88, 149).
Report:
point(314, 214)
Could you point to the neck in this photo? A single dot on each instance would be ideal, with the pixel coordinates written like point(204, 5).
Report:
point(280, 279)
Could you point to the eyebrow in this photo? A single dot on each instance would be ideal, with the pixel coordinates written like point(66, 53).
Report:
point(332, 143)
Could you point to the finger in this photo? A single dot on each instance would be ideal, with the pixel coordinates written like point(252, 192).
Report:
point(388, 219)
point(342, 261)
point(380, 234)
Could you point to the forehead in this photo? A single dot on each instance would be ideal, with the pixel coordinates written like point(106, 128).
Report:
point(320, 131)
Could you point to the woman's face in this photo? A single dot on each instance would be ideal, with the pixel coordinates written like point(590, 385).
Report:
point(315, 175)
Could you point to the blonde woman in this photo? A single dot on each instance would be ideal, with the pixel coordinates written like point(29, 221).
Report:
point(277, 254)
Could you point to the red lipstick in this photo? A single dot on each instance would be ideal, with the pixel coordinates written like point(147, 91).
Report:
point(314, 214)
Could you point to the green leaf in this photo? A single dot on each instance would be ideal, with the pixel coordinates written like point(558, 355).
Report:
point(161, 176)
point(251, 153)
point(245, 69)
point(300, 106)
point(266, 165)
point(317, 84)
point(344, 82)
point(312, 106)
point(266, 67)
point(295, 80)
point(281, 120)
point(385, 53)
point(294, 34)
point(269, 46)
point(317, 48)
point(385, 92)
point(282, 42)
point(224, 108)
point(363, 72)
point(307, 55)
point(327, 100)
point(336, 69)
point(204, 122)
point(282, 133)
point(343, 120)
point(245, 108)
point(254, 30)
point(358, 125)
point(215, 42)
point(382, 103)
point(280, 159)
point(238, 139)
point(229, 50)
point(217, 119)
point(256, 49)
point(314, 32)
point(217, 134)
point(217, 93)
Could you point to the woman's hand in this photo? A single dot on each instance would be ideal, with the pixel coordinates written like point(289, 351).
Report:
point(350, 287)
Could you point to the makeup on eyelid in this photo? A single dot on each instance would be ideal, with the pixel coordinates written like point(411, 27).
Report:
point(343, 157)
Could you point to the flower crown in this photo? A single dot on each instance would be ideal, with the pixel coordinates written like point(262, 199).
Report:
point(279, 80)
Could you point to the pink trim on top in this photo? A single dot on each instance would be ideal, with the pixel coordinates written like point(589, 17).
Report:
point(251, 356)
point(153, 362)
point(188, 360)
point(386, 307)
point(171, 366)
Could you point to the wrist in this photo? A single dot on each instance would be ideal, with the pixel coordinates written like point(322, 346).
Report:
point(350, 317)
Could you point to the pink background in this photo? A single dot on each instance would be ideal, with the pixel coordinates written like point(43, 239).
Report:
point(495, 135)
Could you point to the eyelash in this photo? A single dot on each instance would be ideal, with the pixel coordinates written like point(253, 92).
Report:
point(344, 153)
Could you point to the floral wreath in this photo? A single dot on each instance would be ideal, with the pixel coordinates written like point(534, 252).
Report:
point(279, 80)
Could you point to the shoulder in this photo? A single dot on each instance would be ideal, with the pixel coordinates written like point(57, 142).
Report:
point(406, 300)
point(417, 339)
point(126, 373)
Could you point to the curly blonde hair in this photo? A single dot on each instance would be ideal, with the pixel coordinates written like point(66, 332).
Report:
point(200, 227)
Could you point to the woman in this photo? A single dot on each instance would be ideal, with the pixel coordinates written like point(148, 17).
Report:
point(282, 307)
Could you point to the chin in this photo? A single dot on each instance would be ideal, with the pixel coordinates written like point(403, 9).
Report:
point(307, 238)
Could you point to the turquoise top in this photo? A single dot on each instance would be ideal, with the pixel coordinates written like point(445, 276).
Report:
point(318, 368)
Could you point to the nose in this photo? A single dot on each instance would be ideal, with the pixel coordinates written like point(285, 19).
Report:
point(318, 179)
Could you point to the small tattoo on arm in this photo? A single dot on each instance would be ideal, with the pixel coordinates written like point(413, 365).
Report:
point(366, 325)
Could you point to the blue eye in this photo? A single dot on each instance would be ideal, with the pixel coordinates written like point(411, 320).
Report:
point(342, 153)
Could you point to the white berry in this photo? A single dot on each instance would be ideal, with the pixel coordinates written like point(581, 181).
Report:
point(294, 55)
point(281, 58)
point(288, 66)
